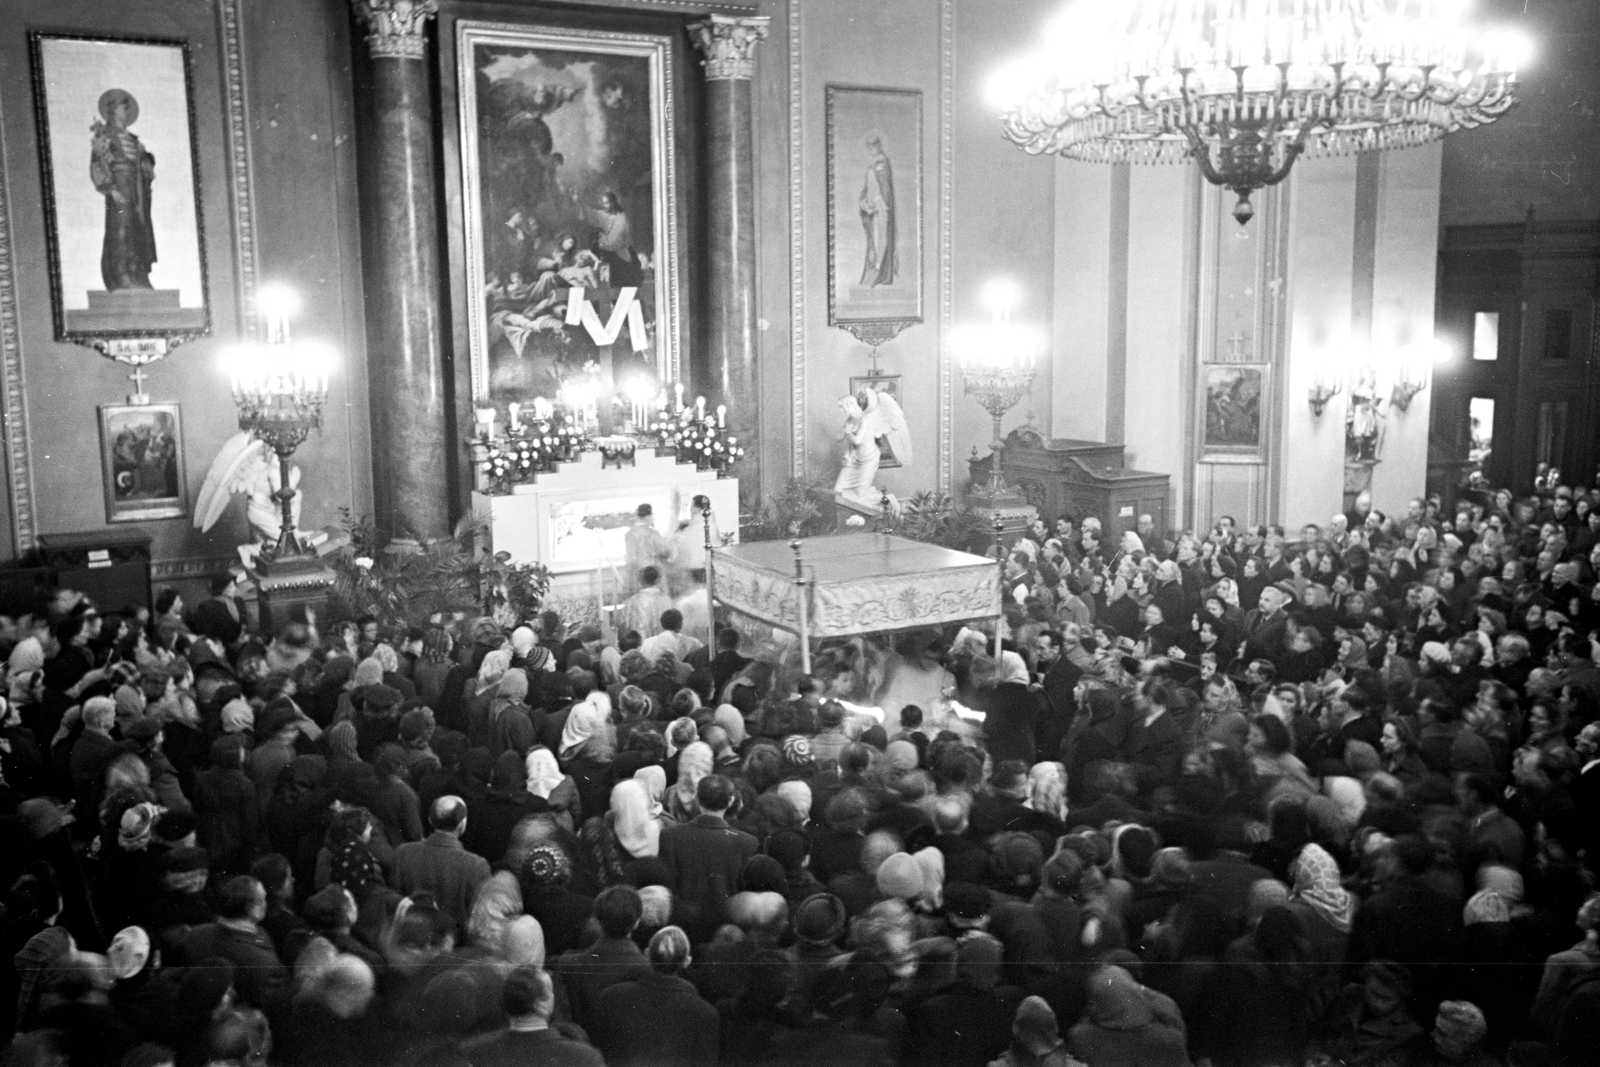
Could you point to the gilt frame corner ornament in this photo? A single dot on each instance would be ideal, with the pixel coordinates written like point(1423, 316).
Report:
point(142, 179)
point(519, 345)
point(875, 269)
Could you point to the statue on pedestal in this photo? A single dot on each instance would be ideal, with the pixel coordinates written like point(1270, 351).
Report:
point(868, 416)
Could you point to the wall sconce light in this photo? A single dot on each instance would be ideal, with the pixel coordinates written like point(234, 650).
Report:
point(1414, 370)
point(1327, 384)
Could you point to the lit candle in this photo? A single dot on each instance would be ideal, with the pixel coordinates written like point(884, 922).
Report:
point(513, 409)
point(485, 422)
point(722, 415)
point(678, 390)
point(699, 407)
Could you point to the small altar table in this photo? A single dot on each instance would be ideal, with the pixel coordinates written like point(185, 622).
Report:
point(854, 583)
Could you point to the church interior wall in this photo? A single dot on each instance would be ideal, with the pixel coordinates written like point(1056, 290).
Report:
point(304, 212)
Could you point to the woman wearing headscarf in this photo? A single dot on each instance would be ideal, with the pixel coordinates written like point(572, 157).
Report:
point(557, 790)
point(731, 720)
point(1128, 1025)
point(481, 691)
point(588, 745)
point(654, 780)
point(497, 905)
point(1009, 708)
point(694, 763)
point(1323, 906)
point(798, 795)
point(510, 719)
point(610, 843)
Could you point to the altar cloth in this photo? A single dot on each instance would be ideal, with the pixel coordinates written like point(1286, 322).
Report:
point(857, 583)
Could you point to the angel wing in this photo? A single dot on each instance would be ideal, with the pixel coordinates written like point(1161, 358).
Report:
point(239, 463)
point(890, 421)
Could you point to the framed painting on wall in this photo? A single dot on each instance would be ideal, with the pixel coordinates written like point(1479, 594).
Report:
point(881, 383)
point(874, 210)
point(141, 459)
point(570, 181)
point(121, 178)
point(1233, 419)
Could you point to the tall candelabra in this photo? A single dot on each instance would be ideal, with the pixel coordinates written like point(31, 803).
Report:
point(996, 360)
point(280, 388)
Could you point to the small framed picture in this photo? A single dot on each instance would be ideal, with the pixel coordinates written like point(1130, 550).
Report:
point(1233, 425)
point(121, 188)
point(880, 383)
point(141, 459)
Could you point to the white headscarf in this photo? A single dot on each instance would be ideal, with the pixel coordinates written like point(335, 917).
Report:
point(582, 722)
point(543, 772)
point(654, 780)
point(1011, 668)
point(494, 665)
point(637, 832)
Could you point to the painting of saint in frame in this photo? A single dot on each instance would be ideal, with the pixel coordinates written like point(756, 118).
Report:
point(121, 187)
point(141, 455)
point(874, 205)
point(569, 183)
point(1233, 422)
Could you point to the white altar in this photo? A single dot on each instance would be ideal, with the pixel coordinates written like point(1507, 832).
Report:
point(574, 521)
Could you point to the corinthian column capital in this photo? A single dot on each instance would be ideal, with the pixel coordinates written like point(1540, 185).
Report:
point(396, 28)
point(729, 45)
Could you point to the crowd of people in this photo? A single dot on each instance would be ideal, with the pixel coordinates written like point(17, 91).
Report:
point(1221, 797)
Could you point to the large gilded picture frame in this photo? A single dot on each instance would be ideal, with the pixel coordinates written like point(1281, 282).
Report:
point(121, 175)
point(569, 176)
point(874, 211)
point(141, 460)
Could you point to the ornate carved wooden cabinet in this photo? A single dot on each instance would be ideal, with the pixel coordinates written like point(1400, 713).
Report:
point(1079, 478)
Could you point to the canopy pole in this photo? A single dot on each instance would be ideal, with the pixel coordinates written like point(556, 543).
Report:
point(805, 624)
point(1000, 558)
point(711, 610)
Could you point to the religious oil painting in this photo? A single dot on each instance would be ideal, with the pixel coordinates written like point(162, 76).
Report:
point(570, 199)
point(1233, 422)
point(874, 206)
point(121, 188)
point(879, 383)
point(141, 456)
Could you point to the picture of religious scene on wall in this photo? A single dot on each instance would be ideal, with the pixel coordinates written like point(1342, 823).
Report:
point(568, 192)
point(121, 187)
point(593, 533)
point(1233, 409)
point(875, 204)
point(142, 458)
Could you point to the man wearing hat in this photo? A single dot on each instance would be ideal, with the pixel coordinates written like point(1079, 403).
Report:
point(819, 922)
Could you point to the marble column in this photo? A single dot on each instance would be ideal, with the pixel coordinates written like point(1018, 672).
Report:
point(728, 45)
point(405, 360)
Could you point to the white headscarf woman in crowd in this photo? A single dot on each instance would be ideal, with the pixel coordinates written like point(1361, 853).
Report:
point(546, 782)
point(694, 763)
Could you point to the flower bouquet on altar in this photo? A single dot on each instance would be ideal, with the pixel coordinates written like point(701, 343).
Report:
point(520, 455)
point(699, 440)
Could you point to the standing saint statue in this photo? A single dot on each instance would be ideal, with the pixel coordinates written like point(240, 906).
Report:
point(1364, 420)
point(869, 415)
point(877, 209)
point(122, 170)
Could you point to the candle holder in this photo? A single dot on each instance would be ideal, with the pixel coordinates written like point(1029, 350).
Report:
point(996, 362)
point(280, 389)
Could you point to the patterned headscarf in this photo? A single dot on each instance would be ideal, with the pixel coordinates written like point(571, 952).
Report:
point(1486, 906)
point(546, 866)
point(353, 867)
point(494, 665)
point(1316, 881)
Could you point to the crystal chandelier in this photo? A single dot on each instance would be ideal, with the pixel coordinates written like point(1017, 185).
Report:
point(1245, 87)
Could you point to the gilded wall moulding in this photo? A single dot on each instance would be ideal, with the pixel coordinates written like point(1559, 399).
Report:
point(396, 29)
point(729, 45)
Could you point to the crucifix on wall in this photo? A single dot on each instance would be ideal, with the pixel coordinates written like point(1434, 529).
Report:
point(1238, 347)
